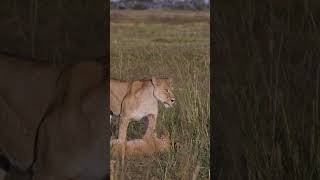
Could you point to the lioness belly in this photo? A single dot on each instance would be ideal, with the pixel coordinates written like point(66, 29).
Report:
point(142, 111)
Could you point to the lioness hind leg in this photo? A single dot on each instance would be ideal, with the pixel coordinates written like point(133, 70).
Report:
point(121, 141)
point(123, 128)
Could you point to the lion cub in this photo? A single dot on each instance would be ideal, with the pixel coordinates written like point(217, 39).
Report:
point(135, 101)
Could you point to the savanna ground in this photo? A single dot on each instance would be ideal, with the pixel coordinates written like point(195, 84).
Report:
point(175, 44)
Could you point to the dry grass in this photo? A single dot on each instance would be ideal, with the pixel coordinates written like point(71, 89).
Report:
point(158, 16)
point(266, 100)
point(176, 44)
point(53, 31)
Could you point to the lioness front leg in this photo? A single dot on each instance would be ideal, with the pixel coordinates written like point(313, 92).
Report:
point(148, 145)
point(150, 137)
point(123, 128)
point(151, 129)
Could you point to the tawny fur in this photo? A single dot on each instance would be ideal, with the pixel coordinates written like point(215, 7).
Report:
point(140, 99)
point(149, 145)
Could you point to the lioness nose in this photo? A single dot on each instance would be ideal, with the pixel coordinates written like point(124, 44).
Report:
point(173, 100)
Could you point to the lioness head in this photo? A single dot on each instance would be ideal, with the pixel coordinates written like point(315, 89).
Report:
point(163, 91)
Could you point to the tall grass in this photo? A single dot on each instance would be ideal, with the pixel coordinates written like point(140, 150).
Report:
point(267, 80)
point(175, 44)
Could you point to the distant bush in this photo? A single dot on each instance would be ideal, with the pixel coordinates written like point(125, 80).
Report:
point(182, 6)
point(199, 4)
point(140, 6)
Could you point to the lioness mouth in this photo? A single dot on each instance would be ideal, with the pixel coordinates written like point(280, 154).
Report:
point(167, 104)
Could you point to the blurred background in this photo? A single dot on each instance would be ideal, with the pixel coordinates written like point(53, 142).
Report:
point(266, 78)
point(160, 4)
point(55, 31)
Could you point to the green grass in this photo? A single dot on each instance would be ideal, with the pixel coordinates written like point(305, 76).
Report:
point(175, 44)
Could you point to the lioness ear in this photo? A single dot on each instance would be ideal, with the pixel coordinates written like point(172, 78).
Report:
point(154, 81)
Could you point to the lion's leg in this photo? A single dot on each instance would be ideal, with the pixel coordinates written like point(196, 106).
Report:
point(123, 128)
point(122, 138)
point(151, 129)
point(148, 145)
point(150, 137)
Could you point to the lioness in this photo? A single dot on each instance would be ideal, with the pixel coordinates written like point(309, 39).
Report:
point(52, 119)
point(135, 101)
